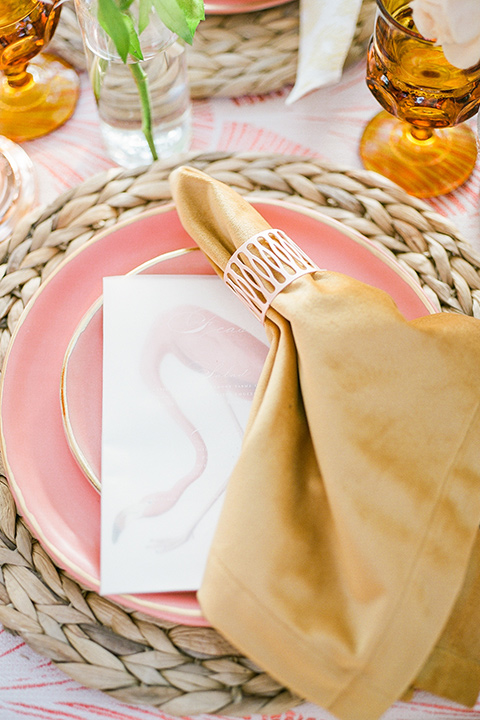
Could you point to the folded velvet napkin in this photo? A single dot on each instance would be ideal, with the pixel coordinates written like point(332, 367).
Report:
point(350, 517)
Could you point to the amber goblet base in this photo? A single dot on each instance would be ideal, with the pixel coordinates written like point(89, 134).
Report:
point(423, 162)
point(44, 102)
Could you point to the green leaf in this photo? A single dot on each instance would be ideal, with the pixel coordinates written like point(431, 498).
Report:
point(181, 16)
point(134, 44)
point(144, 9)
point(113, 21)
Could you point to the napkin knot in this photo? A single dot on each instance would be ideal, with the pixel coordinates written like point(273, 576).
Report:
point(263, 266)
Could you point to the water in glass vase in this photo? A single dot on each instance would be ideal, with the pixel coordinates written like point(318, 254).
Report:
point(411, 78)
point(117, 94)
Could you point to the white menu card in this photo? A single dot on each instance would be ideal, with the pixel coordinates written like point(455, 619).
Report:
point(181, 359)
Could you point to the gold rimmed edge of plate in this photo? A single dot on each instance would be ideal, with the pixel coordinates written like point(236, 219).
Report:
point(75, 447)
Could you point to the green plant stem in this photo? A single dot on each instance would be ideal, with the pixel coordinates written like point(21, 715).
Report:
point(141, 81)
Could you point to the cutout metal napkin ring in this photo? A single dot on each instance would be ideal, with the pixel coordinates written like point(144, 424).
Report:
point(263, 266)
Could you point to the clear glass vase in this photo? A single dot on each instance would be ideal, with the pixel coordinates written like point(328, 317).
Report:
point(144, 106)
point(18, 187)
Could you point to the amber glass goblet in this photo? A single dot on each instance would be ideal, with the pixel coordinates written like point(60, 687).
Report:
point(38, 92)
point(418, 141)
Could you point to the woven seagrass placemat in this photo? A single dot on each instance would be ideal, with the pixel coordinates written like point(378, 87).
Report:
point(233, 55)
point(133, 657)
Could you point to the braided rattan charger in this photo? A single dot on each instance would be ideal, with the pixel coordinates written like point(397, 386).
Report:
point(133, 657)
point(233, 55)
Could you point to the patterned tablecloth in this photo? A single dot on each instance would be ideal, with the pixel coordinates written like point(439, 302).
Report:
point(328, 125)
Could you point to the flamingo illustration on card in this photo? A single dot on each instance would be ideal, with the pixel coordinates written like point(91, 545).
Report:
point(182, 358)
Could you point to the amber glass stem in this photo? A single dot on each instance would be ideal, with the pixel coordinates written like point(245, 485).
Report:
point(420, 134)
point(17, 76)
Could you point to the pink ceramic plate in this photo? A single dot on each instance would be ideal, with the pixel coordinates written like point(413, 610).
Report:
point(230, 7)
point(60, 506)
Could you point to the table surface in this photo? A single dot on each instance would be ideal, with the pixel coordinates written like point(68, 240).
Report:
point(328, 125)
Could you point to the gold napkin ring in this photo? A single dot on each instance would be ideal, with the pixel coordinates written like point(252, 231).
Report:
point(263, 266)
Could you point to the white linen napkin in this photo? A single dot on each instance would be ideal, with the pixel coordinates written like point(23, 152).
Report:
point(327, 28)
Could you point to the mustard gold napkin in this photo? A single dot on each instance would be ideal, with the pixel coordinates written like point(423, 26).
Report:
point(453, 668)
point(351, 514)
